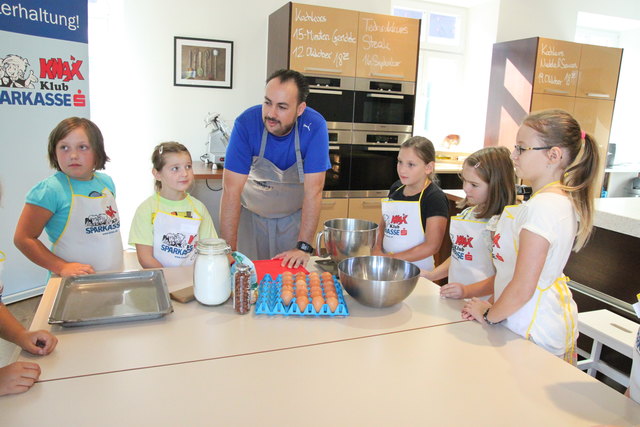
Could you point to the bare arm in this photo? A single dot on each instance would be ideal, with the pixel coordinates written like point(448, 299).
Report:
point(434, 233)
point(232, 186)
point(377, 247)
point(440, 272)
point(29, 228)
point(145, 257)
point(529, 264)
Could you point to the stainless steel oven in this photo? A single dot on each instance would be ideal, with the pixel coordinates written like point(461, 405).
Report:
point(384, 105)
point(333, 97)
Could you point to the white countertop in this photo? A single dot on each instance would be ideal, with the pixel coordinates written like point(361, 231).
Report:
point(413, 364)
point(620, 214)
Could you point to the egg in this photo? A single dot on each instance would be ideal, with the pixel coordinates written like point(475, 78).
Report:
point(332, 302)
point(330, 293)
point(326, 275)
point(316, 292)
point(301, 292)
point(286, 296)
point(303, 302)
point(287, 280)
point(314, 281)
point(317, 302)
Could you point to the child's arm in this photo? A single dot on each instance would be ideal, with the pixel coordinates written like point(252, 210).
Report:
point(145, 256)
point(29, 228)
point(434, 233)
point(440, 272)
point(377, 247)
point(18, 377)
point(37, 342)
point(478, 289)
point(529, 265)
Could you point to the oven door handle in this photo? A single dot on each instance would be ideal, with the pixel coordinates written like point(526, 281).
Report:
point(384, 95)
point(326, 92)
point(381, 148)
point(333, 148)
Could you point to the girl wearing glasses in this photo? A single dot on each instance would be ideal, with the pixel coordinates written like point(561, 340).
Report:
point(489, 185)
point(533, 241)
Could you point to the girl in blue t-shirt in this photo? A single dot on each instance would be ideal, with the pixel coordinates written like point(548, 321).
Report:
point(75, 206)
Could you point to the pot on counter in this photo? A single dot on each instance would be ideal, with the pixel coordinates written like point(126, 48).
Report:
point(347, 237)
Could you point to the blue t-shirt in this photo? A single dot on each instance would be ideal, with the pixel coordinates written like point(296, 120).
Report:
point(54, 194)
point(247, 135)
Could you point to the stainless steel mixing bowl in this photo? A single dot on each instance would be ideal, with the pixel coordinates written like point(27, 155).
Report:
point(347, 237)
point(378, 281)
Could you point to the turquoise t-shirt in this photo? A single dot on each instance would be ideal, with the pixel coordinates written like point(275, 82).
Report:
point(54, 194)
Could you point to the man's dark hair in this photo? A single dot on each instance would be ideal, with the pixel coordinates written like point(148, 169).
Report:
point(299, 79)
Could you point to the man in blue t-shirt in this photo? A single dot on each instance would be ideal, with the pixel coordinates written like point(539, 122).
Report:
point(274, 174)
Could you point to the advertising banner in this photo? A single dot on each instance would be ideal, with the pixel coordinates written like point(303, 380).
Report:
point(44, 78)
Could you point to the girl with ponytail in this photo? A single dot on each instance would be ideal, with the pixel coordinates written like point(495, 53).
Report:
point(533, 241)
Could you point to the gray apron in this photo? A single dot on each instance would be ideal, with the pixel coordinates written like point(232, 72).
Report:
point(271, 205)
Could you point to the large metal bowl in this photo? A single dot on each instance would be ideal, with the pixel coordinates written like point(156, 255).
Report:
point(378, 281)
point(347, 237)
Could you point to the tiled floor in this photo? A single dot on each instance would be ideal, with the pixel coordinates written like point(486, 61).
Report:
point(24, 312)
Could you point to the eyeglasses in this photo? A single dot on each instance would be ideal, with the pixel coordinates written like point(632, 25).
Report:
point(519, 149)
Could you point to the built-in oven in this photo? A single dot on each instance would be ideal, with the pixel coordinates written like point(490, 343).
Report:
point(372, 169)
point(383, 105)
point(333, 97)
point(337, 176)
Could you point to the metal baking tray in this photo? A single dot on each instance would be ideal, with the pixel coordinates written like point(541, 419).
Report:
point(111, 297)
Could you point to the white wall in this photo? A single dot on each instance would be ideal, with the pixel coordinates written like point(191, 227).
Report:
point(133, 99)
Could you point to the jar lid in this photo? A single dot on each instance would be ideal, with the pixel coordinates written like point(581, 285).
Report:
point(213, 246)
point(242, 268)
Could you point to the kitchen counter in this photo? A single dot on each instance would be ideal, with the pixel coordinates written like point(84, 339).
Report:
point(619, 214)
point(202, 365)
point(203, 170)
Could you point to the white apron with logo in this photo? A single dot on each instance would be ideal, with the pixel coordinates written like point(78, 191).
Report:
point(92, 232)
point(272, 202)
point(175, 238)
point(549, 318)
point(470, 253)
point(403, 227)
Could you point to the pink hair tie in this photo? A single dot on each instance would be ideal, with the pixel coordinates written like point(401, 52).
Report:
point(583, 134)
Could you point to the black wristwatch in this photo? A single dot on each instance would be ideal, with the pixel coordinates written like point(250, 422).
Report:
point(304, 247)
point(484, 316)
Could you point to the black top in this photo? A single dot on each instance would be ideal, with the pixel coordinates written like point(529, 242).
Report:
point(434, 201)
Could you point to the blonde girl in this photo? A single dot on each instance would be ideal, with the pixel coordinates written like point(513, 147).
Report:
point(534, 240)
point(488, 181)
point(167, 226)
point(414, 216)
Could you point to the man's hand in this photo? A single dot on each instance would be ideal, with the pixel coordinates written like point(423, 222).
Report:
point(293, 258)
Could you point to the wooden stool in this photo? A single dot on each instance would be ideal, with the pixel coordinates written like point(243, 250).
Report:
point(612, 330)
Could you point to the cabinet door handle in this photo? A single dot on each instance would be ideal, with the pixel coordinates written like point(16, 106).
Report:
point(326, 92)
point(555, 90)
point(399, 76)
point(326, 70)
point(384, 95)
point(598, 95)
point(366, 204)
point(326, 204)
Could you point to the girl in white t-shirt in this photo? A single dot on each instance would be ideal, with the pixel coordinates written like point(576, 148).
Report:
point(533, 241)
point(489, 185)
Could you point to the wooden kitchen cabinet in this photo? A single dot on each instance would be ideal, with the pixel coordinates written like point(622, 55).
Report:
point(537, 74)
point(387, 47)
point(598, 75)
point(332, 208)
point(327, 41)
point(557, 65)
point(365, 208)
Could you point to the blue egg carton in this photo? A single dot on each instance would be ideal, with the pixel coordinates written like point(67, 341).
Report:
point(269, 300)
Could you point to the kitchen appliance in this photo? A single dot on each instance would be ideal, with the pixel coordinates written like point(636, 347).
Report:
point(347, 237)
point(332, 96)
point(611, 154)
point(378, 281)
point(217, 141)
point(634, 190)
point(383, 106)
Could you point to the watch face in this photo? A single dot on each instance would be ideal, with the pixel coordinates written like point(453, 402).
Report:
point(304, 246)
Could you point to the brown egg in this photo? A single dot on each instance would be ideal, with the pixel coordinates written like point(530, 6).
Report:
point(317, 302)
point(301, 292)
point(288, 288)
point(301, 282)
point(303, 302)
point(326, 275)
point(332, 302)
point(314, 274)
point(287, 280)
point(286, 296)
point(314, 281)
point(330, 293)
point(316, 292)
